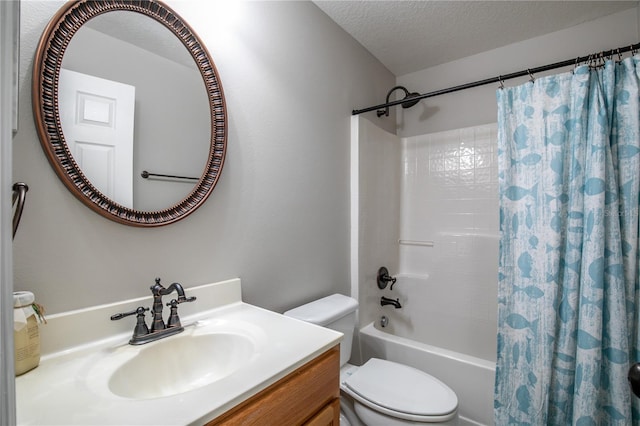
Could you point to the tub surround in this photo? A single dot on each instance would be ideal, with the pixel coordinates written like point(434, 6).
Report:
point(450, 197)
point(67, 388)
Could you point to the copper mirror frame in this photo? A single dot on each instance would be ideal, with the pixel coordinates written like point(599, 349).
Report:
point(46, 69)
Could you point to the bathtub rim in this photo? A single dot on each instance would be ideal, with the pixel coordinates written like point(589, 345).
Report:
point(371, 330)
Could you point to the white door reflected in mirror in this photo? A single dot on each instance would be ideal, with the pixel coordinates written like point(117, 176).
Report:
point(97, 118)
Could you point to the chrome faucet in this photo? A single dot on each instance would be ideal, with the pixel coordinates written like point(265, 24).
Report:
point(141, 333)
point(387, 301)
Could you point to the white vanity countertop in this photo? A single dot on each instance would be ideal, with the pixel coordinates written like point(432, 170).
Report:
point(70, 387)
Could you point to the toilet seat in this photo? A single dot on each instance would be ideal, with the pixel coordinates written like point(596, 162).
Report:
point(401, 391)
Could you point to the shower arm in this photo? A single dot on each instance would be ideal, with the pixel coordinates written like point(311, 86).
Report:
point(408, 101)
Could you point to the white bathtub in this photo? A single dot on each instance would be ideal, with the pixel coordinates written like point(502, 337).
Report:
point(471, 378)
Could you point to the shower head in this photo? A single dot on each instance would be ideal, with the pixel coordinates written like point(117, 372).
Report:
point(412, 102)
point(408, 104)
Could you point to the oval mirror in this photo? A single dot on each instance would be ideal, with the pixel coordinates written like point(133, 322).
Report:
point(129, 109)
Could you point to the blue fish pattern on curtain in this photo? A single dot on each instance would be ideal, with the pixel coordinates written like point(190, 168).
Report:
point(568, 291)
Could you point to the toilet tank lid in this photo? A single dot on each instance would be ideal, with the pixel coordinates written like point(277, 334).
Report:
point(326, 310)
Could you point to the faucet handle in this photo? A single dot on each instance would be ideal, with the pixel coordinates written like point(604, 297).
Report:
point(138, 311)
point(384, 278)
point(174, 319)
point(141, 328)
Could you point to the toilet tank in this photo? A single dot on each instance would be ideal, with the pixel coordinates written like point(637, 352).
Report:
point(337, 312)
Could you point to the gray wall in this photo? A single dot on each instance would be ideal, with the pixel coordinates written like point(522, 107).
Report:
point(478, 106)
point(279, 216)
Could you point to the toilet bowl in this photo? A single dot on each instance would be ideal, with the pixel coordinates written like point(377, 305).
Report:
point(380, 392)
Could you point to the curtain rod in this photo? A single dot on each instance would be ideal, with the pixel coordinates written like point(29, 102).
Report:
point(501, 78)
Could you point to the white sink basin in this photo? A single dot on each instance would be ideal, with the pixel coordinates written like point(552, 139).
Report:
point(206, 352)
point(180, 364)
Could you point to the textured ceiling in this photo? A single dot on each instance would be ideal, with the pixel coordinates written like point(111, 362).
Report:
point(408, 36)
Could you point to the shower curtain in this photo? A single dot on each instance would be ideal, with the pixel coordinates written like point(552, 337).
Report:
point(568, 297)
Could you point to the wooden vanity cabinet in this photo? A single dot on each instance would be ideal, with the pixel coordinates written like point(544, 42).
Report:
point(308, 396)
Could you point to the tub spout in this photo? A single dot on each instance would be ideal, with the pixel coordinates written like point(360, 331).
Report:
point(387, 301)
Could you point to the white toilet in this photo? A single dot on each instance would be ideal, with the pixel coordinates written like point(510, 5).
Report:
point(380, 392)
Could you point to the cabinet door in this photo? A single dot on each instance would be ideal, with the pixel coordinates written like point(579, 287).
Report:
point(293, 400)
point(328, 416)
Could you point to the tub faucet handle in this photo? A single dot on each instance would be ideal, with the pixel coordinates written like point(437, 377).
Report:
point(384, 278)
